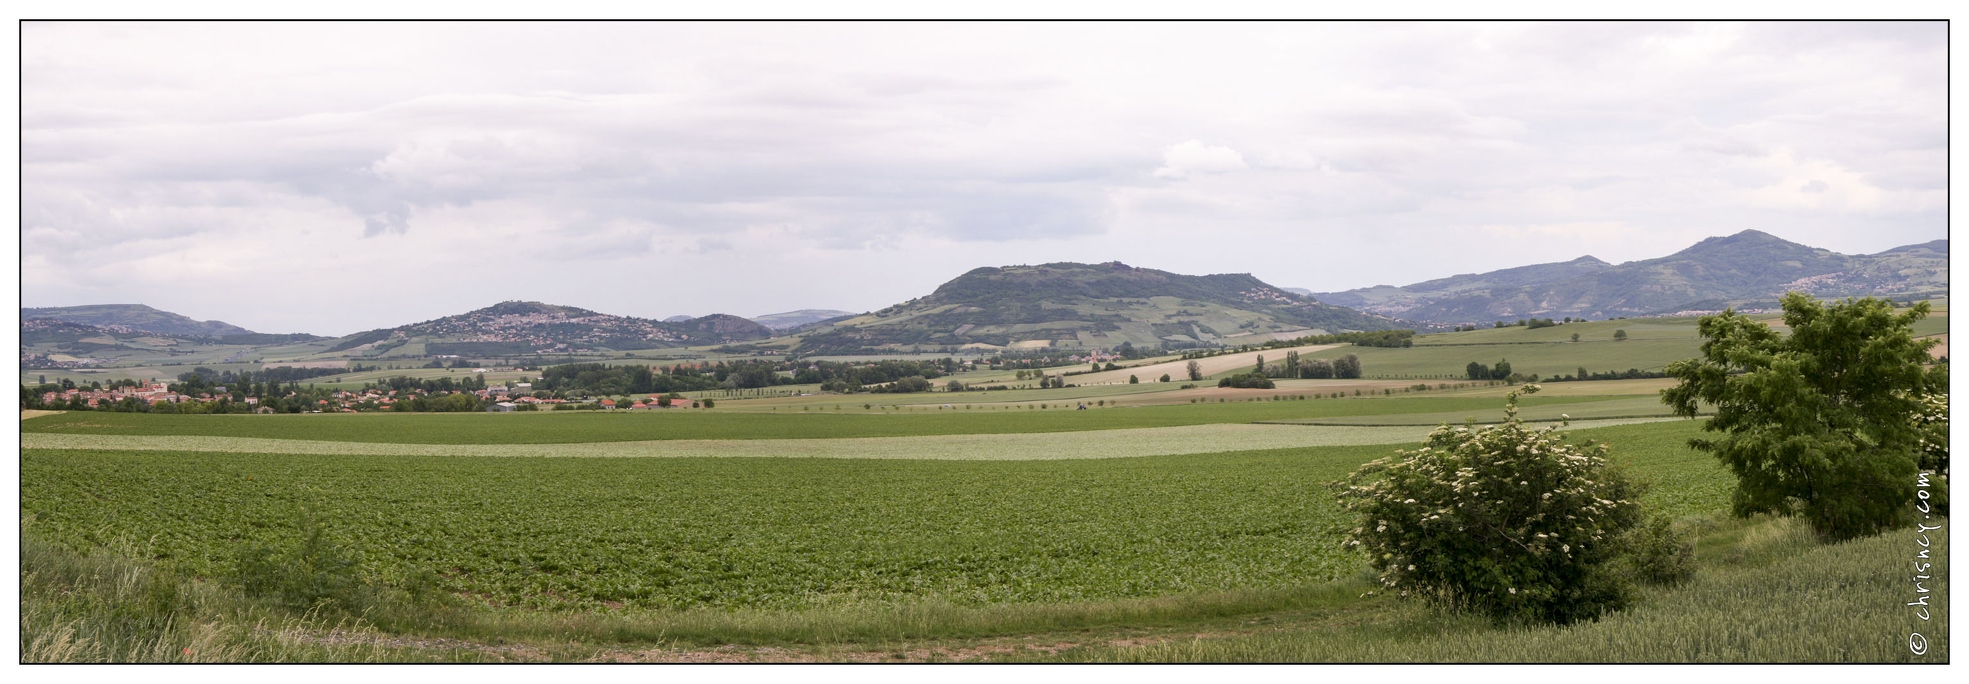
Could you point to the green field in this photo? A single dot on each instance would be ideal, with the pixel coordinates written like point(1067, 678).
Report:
point(851, 420)
point(782, 533)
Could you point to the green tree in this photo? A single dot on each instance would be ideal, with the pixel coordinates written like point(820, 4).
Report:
point(1620, 335)
point(1822, 423)
point(1196, 370)
point(1501, 371)
point(1575, 337)
point(1165, 378)
point(1348, 366)
point(1132, 380)
point(1477, 371)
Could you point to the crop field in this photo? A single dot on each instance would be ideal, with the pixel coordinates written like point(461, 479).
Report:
point(1546, 359)
point(551, 427)
point(1121, 443)
point(782, 533)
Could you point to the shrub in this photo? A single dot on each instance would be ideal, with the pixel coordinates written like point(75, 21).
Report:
point(315, 571)
point(1510, 522)
point(1659, 555)
point(1132, 380)
point(1165, 378)
point(1248, 381)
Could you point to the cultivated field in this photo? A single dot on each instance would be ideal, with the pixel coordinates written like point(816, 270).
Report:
point(1161, 524)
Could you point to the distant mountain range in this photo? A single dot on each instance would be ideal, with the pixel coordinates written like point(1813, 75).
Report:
point(1071, 305)
point(1088, 306)
point(1746, 270)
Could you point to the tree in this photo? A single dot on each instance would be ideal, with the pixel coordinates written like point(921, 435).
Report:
point(1575, 337)
point(1165, 378)
point(1291, 365)
point(1501, 371)
point(1132, 380)
point(1261, 365)
point(1477, 371)
point(1506, 521)
point(1821, 424)
point(1348, 366)
point(1317, 369)
point(1196, 370)
point(1620, 335)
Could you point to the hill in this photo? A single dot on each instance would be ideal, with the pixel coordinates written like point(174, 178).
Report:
point(1748, 269)
point(795, 319)
point(516, 327)
point(136, 317)
point(1086, 306)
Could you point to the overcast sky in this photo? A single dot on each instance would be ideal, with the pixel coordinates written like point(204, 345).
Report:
point(331, 178)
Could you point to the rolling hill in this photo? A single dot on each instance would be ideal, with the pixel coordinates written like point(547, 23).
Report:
point(515, 327)
point(1085, 306)
point(135, 317)
point(1749, 269)
point(795, 319)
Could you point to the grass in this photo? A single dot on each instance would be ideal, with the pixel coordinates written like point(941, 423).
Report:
point(767, 533)
point(1626, 407)
point(1774, 596)
point(103, 606)
point(850, 420)
point(1547, 359)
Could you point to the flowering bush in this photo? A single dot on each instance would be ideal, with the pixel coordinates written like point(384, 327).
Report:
point(1508, 521)
point(1932, 421)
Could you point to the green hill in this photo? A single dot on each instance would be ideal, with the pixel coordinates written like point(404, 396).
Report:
point(514, 328)
point(1085, 306)
point(135, 317)
point(1749, 269)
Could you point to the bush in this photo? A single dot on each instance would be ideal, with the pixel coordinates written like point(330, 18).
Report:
point(1505, 521)
point(1659, 555)
point(1132, 380)
point(1248, 381)
point(314, 572)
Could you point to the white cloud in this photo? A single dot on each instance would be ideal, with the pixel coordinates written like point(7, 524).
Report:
point(1183, 159)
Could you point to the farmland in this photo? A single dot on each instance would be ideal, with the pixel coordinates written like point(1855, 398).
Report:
point(678, 533)
point(1162, 524)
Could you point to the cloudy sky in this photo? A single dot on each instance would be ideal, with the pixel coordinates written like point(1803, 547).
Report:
point(331, 178)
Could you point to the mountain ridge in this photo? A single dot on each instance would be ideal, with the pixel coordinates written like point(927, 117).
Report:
point(1746, 268)
point(1069, 304)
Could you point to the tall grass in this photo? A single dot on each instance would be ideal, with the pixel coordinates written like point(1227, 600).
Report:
point(105, 607)
point(1837, 603)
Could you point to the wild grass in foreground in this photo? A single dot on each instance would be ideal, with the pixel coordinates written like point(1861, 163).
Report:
point(104, 607)
point(1768, 593)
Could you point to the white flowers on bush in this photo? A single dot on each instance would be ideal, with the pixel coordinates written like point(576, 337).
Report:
point(1505, 518)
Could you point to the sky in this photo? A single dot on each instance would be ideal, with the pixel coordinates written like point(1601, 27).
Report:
point(337, 177)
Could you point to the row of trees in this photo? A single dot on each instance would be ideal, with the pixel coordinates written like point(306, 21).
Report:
point(1348, 366)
